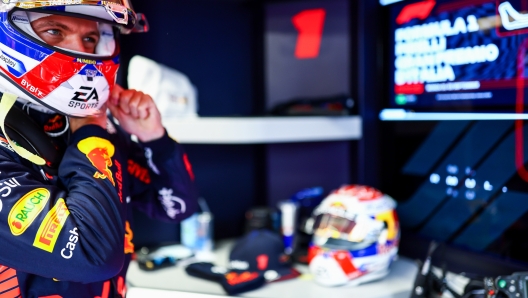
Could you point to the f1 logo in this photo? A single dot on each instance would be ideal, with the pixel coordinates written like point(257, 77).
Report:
point(309, 24)
point(82, 96)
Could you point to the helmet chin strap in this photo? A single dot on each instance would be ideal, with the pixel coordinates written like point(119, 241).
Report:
point(7, 102)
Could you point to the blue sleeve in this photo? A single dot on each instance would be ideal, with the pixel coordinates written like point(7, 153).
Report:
point(164, 186)
point(74, 232)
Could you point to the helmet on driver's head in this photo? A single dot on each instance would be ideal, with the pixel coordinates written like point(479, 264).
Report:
point(66, 81)
point(355, 236)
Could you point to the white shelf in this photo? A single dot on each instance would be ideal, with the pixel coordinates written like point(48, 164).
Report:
point(255, 130)
point(403, 115)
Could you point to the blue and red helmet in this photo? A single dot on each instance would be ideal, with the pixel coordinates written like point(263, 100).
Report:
point(69, 82)
point(356, 235)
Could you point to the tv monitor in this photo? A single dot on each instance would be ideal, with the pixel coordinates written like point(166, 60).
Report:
point(459, 171)
point(452, 56)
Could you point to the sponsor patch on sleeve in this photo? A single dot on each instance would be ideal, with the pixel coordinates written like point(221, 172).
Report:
point(26, 210)
point(51, 226)
point(99, 152)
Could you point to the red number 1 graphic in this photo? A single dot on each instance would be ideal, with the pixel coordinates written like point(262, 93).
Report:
point(309, 24)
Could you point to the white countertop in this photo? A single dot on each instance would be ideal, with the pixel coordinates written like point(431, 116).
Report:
point(174, 282)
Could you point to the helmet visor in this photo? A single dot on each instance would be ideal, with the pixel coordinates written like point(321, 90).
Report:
point(119, 12)
point(76, 37)
point(362, 229)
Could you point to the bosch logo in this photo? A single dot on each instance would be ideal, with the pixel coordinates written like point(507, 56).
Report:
point(83, 96)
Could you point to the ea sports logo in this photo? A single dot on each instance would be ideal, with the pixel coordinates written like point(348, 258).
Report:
point(85, 94)
point(85, 98)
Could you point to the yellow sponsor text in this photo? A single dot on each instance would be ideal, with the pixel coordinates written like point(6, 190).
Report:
point(26, 210)
point(51, 226)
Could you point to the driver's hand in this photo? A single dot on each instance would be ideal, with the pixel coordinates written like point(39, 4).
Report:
point(137, 113)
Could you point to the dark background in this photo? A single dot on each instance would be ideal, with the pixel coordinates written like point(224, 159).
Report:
point(219, 45)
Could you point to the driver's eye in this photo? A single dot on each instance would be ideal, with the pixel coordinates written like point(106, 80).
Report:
point(90, 40)
point(53, 31)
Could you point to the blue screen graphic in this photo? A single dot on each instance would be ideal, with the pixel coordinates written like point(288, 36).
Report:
point(459, 55)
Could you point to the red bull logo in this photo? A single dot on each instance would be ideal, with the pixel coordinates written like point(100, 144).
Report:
point(54, 123)
point(99, 152)
point(119, 177)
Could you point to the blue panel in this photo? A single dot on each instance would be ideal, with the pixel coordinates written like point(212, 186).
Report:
point(17, 67)
point(467, 153)
point(501, 214)
point(19, 43)
point(497, 169)
point(92, 69)
point(55, 8)
point(209, 41)
point(292, 167)
point(442, 137)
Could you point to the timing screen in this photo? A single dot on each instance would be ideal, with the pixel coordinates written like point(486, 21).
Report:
point(459, 53)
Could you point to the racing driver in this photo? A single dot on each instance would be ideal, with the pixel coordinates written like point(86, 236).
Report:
point(69, 170)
